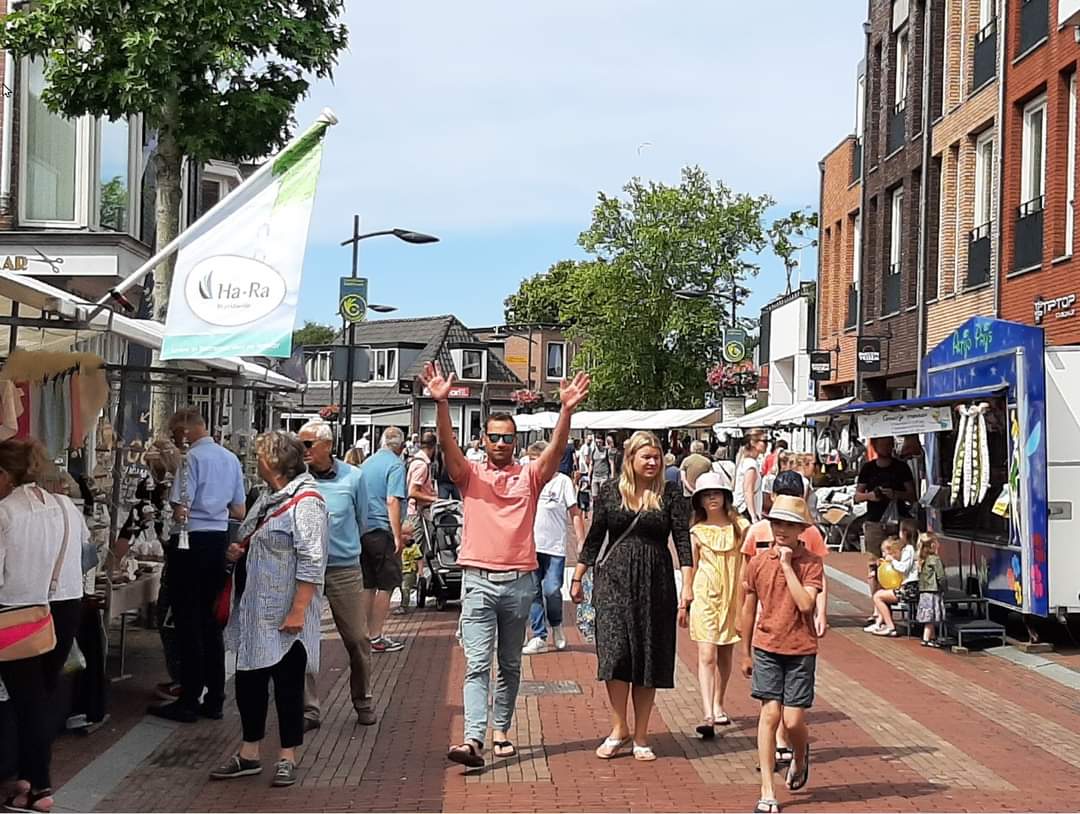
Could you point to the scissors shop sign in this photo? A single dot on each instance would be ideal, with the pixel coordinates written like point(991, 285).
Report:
point(42, 263)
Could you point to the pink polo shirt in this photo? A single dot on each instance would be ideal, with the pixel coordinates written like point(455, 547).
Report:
point(500, 509)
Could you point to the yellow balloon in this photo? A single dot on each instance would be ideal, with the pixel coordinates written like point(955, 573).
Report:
point(888, 577)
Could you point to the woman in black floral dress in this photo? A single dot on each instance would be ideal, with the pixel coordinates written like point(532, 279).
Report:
point(634, 588)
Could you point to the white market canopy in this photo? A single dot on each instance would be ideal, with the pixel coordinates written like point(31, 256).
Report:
point(621, 420)
point(42, 298)
point(785, 415)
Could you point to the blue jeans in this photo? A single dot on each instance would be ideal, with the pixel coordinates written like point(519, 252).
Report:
point(492, 614)
point(549, 582)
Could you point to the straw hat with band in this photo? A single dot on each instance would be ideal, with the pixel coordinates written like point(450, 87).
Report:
point(713, 482)
point(790, 509)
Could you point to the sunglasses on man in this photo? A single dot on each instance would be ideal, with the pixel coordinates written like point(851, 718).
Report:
point(505, 437)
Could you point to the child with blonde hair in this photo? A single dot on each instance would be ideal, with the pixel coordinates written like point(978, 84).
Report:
point(931, 569)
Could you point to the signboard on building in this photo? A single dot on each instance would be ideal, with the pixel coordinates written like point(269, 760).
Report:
point(36, 263)
point(353, 298)
point(455, 392)
point(1058, 307)
point(915, 420)
point(734, 345)
point(405, 387)
point(820, 365)
point(734, 408)
point(869, 354)
point(517, 360)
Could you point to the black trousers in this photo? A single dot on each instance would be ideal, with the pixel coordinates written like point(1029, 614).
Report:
point(196, 576)
point(252, 697)
point(31, 683)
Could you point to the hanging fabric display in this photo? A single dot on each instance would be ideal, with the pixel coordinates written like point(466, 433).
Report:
point(971, 459)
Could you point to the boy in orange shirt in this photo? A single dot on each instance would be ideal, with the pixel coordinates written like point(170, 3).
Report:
point(780, 642)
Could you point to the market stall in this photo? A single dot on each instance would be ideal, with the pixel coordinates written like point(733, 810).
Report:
point(72, 378)
point(1002, 457)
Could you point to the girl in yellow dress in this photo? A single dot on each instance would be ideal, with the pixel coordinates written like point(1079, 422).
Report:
point(711, 601)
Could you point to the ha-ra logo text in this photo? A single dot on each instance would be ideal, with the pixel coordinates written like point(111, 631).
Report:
point(230, 290)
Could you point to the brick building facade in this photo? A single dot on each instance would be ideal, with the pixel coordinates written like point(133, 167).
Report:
point(962, 267)
point(838, 258)
point(1039, 228)
point(901, 99)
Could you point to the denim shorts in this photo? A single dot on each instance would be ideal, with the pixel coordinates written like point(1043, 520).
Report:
point(787, 679)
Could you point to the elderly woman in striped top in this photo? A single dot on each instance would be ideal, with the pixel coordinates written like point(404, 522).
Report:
point(274, 624)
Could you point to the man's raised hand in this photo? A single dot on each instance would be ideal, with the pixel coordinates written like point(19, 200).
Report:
point(573, 393)
point(437, 385)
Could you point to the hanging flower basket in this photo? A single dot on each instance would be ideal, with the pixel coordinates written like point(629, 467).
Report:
point(330, 412)
point(733, 381)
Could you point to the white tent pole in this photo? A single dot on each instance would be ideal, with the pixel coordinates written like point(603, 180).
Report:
point(326, 117)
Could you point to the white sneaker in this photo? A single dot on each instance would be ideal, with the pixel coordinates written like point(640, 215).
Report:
point(534, 646)
point(873, 627)
point(559, 636)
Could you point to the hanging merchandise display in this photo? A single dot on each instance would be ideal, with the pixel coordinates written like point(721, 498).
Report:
point(54, 397)
point(971, 458)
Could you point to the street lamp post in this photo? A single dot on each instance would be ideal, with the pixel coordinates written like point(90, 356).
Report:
point(408, 236)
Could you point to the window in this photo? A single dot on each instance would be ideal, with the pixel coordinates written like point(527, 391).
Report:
point(384, 365)
point(901, 69)
point(984, 179)
point(1070, 177)
point(114, 176)
point(556, 360)
point(472, 365)
point(896, 230)
point(210, 194)
point(77, 173)
point(856, 258)
point(860, 107)
point(986, 13)
point(52, 155)
point(1034, 151)
point(317, 366)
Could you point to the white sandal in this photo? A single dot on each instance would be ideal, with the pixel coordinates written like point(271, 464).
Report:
point(644, 753)
point(611, 747)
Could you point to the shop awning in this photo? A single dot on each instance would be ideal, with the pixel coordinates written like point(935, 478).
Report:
point(46, 299)
point(621, 420)
point(855, 408)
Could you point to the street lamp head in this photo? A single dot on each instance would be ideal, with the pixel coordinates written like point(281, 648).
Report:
point(692, 294)
point(382, 309)
point(410, 236)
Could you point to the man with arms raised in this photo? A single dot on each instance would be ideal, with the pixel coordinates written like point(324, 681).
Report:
point(498, 556)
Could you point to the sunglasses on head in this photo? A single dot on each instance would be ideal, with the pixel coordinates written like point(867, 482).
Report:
point(505, 437)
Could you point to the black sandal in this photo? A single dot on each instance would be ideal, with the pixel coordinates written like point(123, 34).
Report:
point(784, 754)
point(467, 754)
point(796, 782)
point(509, 749)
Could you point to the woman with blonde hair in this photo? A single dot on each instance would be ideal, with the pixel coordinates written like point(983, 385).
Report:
point(634, 588)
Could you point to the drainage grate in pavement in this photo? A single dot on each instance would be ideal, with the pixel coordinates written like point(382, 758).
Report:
point(549, 688)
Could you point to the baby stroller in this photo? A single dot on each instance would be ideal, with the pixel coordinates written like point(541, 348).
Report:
point(439, 541)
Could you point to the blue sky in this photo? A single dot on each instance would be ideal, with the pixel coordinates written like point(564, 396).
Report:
point(493, 125)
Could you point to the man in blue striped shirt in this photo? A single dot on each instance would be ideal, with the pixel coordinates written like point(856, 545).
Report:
point(346, 501)
point(206, 493)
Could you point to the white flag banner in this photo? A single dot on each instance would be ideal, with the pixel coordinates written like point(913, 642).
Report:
point(237, 278)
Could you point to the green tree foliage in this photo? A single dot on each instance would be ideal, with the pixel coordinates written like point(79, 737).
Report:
point(645, 347)
point(539, 299)
point(114, 204)
point(313, 333)
point(214, 78)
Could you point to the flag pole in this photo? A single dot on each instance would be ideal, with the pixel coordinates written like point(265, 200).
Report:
point(326, 117)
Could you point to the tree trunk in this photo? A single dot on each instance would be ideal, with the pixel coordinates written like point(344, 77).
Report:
point(167, 211)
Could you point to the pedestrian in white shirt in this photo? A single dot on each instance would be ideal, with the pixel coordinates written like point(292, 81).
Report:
point(556, 509)
point(41, 537)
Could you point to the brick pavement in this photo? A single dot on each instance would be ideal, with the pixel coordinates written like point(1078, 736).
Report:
point(896, 728)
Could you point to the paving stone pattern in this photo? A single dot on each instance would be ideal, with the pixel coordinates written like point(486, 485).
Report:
point(896, 727)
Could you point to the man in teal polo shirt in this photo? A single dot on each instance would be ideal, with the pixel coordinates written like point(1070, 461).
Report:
point(346, 501)
point(383, 475)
